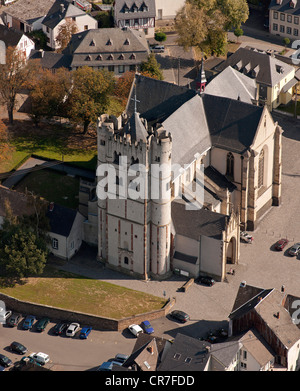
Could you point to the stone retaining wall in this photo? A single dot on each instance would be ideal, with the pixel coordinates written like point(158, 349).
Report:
point(97, 322)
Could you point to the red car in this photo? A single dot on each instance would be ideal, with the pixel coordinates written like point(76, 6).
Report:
point(279, 246)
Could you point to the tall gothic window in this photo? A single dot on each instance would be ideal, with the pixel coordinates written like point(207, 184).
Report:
point(230, 165)
point(261, 162)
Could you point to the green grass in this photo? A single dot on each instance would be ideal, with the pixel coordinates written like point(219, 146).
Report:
point(290, 108)
point(53, 186)
point(76, 293)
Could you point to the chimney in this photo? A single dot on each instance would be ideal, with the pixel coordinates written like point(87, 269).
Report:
point(62, 8)
point(51, 206)
point(282, 288)
point(207, 348)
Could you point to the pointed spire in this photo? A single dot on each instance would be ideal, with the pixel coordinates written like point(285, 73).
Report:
point(201, 78)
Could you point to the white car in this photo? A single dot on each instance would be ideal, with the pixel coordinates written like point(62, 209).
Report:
point(72, 329)
point(4, 314)
point(41, 358)
point(245, 237)
point(135, 329)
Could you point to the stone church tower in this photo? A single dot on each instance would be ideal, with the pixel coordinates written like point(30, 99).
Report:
point(135, 222)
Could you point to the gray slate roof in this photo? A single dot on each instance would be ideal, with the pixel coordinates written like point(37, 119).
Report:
point(51, 60)
point(231, 83)
point(285, 7)
point(120, 5)
point(194, 223)
point(10, 36)
point(95, 47)
point(266, 69)
point(61, 219)
point(59, 11)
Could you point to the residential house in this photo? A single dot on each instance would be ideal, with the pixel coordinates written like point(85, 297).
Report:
point(16, 39)
point(275, 79)
point(66, 224)
point(136, 14)
point(66, 230)
point(114, 49)
point(61, 12)
point(167, 9)
point(284, 18)
point(27, 15)
point(264, 310)
point(51, 60)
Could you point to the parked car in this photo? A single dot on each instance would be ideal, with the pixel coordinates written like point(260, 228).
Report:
point(28, 322)
point(107, 365)
point(14, 319)
point(85, 332)
point(146, 326)
point(72, 329)
point(4, 315)
point(280, 244)
point(294, 250)
point(41, 324)
point(180, 315)
point(121, 357)
point(5, 361)
point(18, 347)
point(245, 237)
point(207, 280)
point(158, 49)
point(135, 329)
point(59, 328)
point(40, 358)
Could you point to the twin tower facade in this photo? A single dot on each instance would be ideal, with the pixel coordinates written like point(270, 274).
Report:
point(134, 204)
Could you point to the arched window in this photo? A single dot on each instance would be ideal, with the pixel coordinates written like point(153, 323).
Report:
point(261, 163)
point(230, 165)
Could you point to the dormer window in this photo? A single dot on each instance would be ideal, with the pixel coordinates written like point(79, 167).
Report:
point(109, 42)
point(121, 57)
point(99, 58)
point(126, 41)
point(126, 8)
point(293, 3)
point(88, 58)
point(110, 57)
point(134, 8)
point(144, 7)
point(132, 57)
point(92, 43)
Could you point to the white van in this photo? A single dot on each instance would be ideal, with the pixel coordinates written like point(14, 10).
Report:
point(40, 358)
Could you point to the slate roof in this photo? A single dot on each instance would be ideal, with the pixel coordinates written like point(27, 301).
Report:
point(10, 36)
point(108, 46)
point(136, 129)
point(29, 10)
point(61, 219)
point(195, 123)
point(185, 354)
point(266, 67)
point(120, 14)
point(51, 60)
point(285, 7)
point(231, 83)
point(219, 179)
point(194, 223)
point(232, 124)
point(56, 14)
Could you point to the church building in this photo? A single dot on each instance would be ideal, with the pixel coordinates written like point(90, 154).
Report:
point(185, 143)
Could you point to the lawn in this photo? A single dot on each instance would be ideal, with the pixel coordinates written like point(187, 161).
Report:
point(53, 186)
point(76, 293)
point(50, 141)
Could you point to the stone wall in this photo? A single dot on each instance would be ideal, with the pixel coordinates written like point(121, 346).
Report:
point(97, 322)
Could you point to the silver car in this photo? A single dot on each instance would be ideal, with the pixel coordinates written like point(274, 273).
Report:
point(294, 250)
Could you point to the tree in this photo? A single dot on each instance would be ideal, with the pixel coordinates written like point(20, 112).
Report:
point(14, 76)
point(152, 68)
point(65, 32)
point(4, 142)
point(238, 32)
point(48, 94)
point(286, 41)
point(160, 36)
point(89, 97)
point(204, 23)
